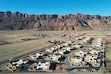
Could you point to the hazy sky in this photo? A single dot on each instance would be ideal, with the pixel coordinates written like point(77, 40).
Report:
point(62, 7)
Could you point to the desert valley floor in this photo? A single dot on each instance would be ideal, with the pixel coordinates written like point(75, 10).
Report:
point(59, 52)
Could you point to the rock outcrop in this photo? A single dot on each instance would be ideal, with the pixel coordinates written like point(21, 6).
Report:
point(20, 21)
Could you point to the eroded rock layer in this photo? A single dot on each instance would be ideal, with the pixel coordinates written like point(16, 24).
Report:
point(44, 22)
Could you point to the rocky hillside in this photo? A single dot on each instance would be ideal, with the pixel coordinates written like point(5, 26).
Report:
point(19, 21)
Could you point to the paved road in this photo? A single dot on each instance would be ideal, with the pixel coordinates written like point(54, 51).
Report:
point(68, 65)
point(71, 71)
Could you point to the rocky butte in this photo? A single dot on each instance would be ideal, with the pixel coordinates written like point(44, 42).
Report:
point(45, 22)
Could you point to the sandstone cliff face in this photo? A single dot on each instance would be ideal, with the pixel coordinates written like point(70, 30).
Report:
point(20, 21)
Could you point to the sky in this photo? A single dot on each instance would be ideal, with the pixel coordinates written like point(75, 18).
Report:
point(61, 7)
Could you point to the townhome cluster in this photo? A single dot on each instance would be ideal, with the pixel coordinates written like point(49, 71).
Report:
point(52, 58)
point(91, 57)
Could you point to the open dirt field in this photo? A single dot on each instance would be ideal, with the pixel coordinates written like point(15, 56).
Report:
point(108, 54)
point(17, 47)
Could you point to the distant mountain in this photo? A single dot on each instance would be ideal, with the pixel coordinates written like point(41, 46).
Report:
point(44, 22)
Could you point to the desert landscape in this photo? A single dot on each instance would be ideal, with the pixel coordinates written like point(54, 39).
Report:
point(54, 22)
point(22, 44)
point(55, 36)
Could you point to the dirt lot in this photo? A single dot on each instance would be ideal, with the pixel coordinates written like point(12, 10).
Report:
point(108, 54)
point(33, 73)
point(19, 47)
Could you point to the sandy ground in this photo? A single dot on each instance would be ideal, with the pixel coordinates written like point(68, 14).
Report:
point(33, 73)
point(19, 48)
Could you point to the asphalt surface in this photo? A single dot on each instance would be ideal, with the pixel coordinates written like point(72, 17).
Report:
point(70, 70)
point(68, 65)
